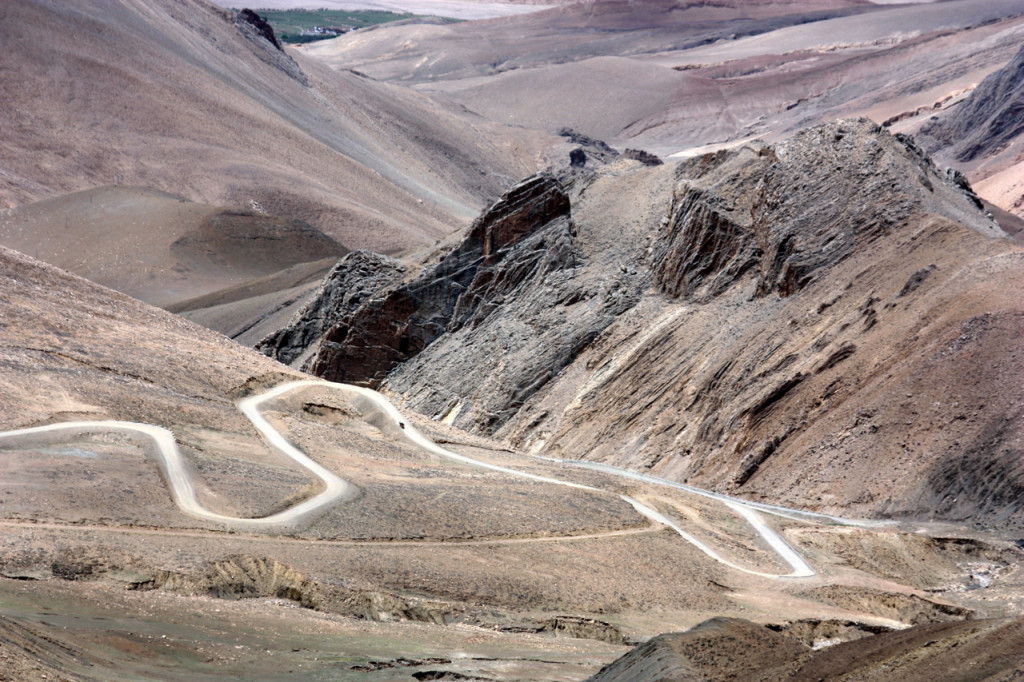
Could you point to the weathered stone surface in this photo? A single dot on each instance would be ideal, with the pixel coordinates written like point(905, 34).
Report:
point(497, 253)
point(828, 322)
point(644, 157)
point(706, 652)
point(351, 282)
point(988, 120)
point(266, 45)
point(807, 354)
point(731, 649)
point(261, 27)
point(776, 210)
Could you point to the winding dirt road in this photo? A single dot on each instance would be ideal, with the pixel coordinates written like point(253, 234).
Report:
point(337, 489)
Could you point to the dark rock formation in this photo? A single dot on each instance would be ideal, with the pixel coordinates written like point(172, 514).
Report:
point(988, 120)
point(351, 283)
point(590, 147)
point(259, 25)
point(586, 141)
point(501, 249)
point(642, 156)
point(266, 45)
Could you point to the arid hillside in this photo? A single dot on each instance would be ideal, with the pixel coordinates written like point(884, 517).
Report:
point(828, 322)
point(984, 135)
point(727, 649)
point(183, 98)
point(473, 562)
point(569, 33)
point(680, 77)
point(740, 399)
point(158, 247)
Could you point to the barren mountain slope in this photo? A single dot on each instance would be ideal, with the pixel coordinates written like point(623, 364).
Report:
point(879, 64)
point(984, 136)
point(873, 56)
point(94, 512)
point(728, 649)
point(828, 322)
point(159, 247)
point(175, 96)
point(103, 576)
point(423, 52)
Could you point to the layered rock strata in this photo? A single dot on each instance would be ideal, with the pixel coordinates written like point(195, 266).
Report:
point(828, 322)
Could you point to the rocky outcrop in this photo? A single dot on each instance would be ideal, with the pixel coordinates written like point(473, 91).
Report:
point(988, 120)
point(522, 322)
point(259, 25)
point(828, 322)
point(506, 245)
point(587, 149)
point(642, 156)
point(352, 282)
point(729, 649)
point(709, 651)
point(266, 45)
point(776, 211)
point(805, 351)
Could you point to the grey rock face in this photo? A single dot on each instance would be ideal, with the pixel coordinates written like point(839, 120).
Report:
point(986, 122)
point(512, 241)
point(261, 27)
point(749, 320)
point(642, 156)
point(352, 282)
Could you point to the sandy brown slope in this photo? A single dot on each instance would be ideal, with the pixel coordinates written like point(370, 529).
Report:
point(159, 247)
point(879, 64)
point(101, 577)
point(612, 74)
point(172, 96)
point(563, 34)
point(728, 649)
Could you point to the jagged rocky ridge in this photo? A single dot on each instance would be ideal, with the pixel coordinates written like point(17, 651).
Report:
point(988, 120)
point(828, 322)
point(730, 649)
point(347, 286)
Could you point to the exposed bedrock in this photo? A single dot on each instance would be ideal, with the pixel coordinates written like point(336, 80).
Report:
point(988, 120)
point(353, 281)
point(827, 322)
point(524, 235)
point(730, 648)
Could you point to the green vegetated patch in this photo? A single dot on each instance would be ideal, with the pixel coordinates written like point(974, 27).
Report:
point(309, 25)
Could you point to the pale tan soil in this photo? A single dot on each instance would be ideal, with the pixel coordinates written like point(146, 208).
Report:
point(80, 631)
point(172, 96)
point(72, 350)
point(161, 248)
point(643, 88)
